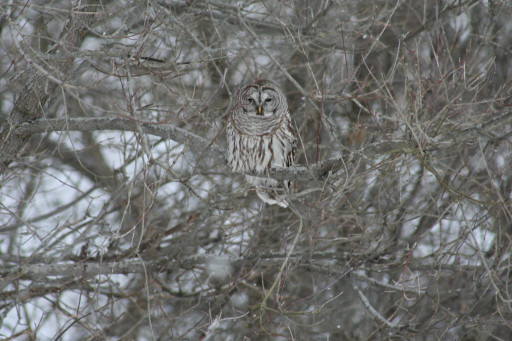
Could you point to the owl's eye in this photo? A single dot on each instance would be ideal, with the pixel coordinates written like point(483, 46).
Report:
point(250, 100)
point(268, 100)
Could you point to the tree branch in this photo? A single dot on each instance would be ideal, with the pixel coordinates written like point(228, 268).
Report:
point(40, 88)
point(196, 143)
point(89, 269)
point(167, 131)
point(372, 310)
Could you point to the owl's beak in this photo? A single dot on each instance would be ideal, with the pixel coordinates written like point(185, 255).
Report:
point(260, 110)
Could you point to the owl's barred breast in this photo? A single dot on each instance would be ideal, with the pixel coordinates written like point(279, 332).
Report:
point(258, 153)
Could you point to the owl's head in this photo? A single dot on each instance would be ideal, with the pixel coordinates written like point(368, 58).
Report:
point(262, 98)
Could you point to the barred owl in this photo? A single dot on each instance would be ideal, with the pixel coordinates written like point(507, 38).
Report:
point(260, 136)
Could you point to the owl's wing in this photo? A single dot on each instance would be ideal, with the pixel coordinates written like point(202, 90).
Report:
point(290, 157)
point(290, 160)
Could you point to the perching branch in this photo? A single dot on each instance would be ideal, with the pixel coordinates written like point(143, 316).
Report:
point(198, 144)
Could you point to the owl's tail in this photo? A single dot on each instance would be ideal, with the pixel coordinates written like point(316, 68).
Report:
point(269, 190)
point(272, 195)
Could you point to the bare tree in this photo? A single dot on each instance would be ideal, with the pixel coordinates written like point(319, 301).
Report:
point(120, 220)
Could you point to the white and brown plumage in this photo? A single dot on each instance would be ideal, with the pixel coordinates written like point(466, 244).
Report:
point(260, 135)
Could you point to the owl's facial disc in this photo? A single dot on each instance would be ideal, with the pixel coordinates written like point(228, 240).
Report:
point(260, 102)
